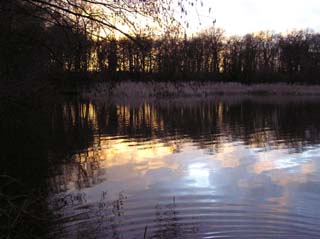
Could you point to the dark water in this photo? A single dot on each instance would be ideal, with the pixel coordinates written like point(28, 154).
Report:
point(184, 169)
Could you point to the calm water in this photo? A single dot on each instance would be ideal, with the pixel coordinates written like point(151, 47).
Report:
point(189, 169)
point(185, 169)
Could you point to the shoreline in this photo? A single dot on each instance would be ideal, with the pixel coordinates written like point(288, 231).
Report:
point(135, 92)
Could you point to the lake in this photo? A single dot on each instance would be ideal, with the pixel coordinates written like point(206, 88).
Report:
point(177, 168)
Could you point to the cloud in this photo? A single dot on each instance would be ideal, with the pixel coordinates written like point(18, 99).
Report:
point(243, 16)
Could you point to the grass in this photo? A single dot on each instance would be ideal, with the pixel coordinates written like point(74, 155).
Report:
point(22, 213)
point(130, 92)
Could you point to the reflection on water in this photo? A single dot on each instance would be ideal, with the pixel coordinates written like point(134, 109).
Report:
point(186, 170)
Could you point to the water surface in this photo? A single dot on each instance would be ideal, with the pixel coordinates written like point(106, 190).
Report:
point(186, 169)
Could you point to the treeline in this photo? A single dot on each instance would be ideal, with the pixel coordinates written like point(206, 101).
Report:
point(35, 43)
point(262, 57)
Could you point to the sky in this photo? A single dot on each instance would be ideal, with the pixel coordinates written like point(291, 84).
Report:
point(239, 17)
